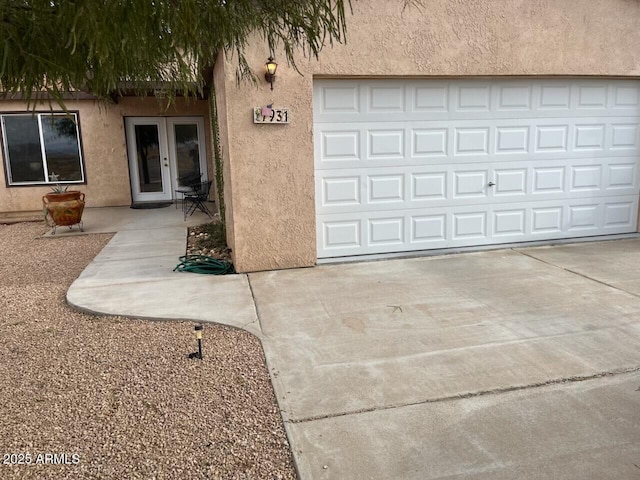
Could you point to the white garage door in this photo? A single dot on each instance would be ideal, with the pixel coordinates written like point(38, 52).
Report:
point(406, 165)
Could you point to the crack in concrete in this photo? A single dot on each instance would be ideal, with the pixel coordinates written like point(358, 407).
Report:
point(481, 393)
point(587, 277)
point(244, 326)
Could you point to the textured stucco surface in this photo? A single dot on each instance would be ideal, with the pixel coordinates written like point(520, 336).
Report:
point(225, 148)
point(271, 166)
point(104, 148)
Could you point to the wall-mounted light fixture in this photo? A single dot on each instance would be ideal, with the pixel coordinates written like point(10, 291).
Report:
point(270, 74)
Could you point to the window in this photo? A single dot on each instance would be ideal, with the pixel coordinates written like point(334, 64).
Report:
point(40, 145)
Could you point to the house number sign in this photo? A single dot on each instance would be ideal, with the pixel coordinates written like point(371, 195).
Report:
point(270, 114)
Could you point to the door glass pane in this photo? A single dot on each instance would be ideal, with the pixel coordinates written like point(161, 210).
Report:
point(61, 147)
point(187, 153)
point(23, 146)
point(148, 158)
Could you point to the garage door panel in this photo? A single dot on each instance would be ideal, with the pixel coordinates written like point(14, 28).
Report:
point(386, 188)
point(470, 225)
point(589, 137)
point(586, 178)
point(390, 100)
point(549, 179)
point(624, 136)
point(414, 164)
point(384, 99)
point(471, 97)
point(471, 141)
point(512, 98)
point(626, 97)
point(584, 216)
point(432, 99)
point(386, 232)
point(429, 186)
point(547, 221)
point(385, 144)
point(470, 184)
point(445, 227)
point(592, 96)
point(429, 143)
point(512, 139)
point(343, 191)
point(620, 176)
point(510, 222)
point(553, 138)
point(340, 148)
point(341, 236)
point(339, 98)
point(409, 187)
point(428, 230)
point(511, 182)
point(620, 215)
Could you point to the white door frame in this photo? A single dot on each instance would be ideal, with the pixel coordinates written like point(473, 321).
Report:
point(138, 196)
point(168, 154)
point(173, 154)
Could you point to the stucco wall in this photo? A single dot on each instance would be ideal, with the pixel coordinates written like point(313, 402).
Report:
point(220, 86)
point(104, 148)
point(271, 167)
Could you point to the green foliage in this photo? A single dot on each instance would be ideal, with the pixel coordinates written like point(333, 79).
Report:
point(106, 46)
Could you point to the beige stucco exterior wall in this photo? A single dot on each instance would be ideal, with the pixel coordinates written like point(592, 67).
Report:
point(220, 88)
point(104, 148)
point(271, 172)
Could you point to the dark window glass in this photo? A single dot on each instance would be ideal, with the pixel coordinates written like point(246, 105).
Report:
point(187, 152)
point(61, 148)
point(22, 140)
point(23, 148)
point(149, 165)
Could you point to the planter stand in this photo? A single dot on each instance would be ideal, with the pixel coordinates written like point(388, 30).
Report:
point(54, 226)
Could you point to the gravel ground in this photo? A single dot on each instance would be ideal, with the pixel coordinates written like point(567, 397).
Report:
point(194, 238)
point(121, 393)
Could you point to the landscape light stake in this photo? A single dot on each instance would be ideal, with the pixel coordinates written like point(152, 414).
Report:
point(198, 329)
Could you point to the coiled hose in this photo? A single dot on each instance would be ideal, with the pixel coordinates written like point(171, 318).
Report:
point(204, 264)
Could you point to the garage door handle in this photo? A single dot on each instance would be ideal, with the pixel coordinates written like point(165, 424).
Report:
point(491, 184)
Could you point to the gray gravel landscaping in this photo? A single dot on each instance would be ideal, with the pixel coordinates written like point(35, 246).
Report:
point(120, 393)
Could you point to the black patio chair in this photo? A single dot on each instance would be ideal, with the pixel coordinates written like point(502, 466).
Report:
point(196, 200)
point(186, 184)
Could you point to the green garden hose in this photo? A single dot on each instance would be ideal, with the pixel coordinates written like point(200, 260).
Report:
point(204, 264)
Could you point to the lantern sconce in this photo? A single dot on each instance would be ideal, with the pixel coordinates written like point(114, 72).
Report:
point(270, 74)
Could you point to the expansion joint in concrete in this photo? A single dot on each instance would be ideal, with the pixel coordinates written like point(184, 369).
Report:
point(587, 277)
point(255, 303)
point(482, 393)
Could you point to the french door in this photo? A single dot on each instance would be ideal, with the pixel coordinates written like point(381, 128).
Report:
point(161, 151)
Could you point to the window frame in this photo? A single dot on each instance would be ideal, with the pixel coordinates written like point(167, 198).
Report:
point(46, 183)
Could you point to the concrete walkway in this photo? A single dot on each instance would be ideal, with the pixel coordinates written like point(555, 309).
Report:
point(501, 364)
point(133, 275)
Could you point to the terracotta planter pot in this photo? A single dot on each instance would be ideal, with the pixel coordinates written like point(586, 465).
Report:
point(64, 209)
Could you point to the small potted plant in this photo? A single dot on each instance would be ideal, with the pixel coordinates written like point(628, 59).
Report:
point(63, 207)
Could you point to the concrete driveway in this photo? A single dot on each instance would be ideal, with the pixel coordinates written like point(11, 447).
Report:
point(503, 364)
point(495, 365)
